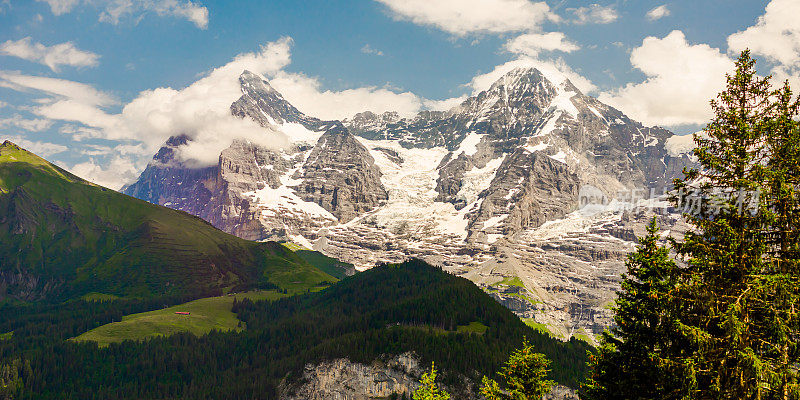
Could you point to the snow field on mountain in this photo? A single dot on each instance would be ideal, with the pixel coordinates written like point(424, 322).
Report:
point(563, 101)
point(677, 145)
point(284, 199)
point(299, 134)
point(469, 145)
point(478, 179)
point(411, 185)
point(550, 126)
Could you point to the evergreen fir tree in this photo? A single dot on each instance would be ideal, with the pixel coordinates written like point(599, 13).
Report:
point(728, 326)
point(638, 359)
point(525, 375)
point(776, 293)
point(429, 390)
point(732, 302)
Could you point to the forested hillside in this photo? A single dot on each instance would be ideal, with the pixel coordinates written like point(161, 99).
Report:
point(387, 310)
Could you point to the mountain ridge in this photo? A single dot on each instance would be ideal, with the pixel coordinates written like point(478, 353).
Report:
point(472, 189)
point(66, 237)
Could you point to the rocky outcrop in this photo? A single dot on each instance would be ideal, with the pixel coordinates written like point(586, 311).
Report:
point(25, 286)
point(340, 175)
point(528, 190)
point(342, 379)
point(169, 182)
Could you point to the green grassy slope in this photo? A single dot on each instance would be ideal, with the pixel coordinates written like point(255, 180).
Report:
point(205, 315)
point(66, 237)
point(327, 264)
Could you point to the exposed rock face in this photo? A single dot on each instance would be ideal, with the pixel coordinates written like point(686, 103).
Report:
point(488, 189)
point(168, 182)
point(344, 380)
point(323, 177)
point(341, 176)
point(528, 190)
point(21, 285)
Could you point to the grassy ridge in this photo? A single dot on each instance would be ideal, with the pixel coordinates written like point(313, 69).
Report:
point(72, 238)
point(327, 264)
point(205, 315)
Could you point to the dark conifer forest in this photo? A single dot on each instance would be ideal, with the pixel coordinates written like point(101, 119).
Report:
point(390, 309)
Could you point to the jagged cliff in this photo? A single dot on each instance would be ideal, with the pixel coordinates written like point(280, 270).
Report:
point(489, 189)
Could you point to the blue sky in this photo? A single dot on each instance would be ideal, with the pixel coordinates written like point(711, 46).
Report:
point(333, 58)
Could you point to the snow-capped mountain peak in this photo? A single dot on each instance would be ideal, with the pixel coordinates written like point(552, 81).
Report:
point(265, 105)
point(465, 189)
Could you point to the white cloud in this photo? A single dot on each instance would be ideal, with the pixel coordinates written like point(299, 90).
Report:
point(113, 174)
point(658, 13)
point(367, 49)
point(42, 149)
point(74, 110)
point(443, 105)
point(187, 10)
point(307, 95)
point(201, 110)
point(80, 132)
point(681, 80)
point(776, 36)
point(594, 14)
point(554, 70)
point(114, 10)
point(51, 56)
point(60, 88)
point(462, 17)
point(60, 7)
point(32, 125)
point(783, 73)
point(531, 44)
point(3, 104)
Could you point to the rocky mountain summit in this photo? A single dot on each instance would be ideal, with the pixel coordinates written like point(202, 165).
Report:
point(324, 176)
point(490, 189)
